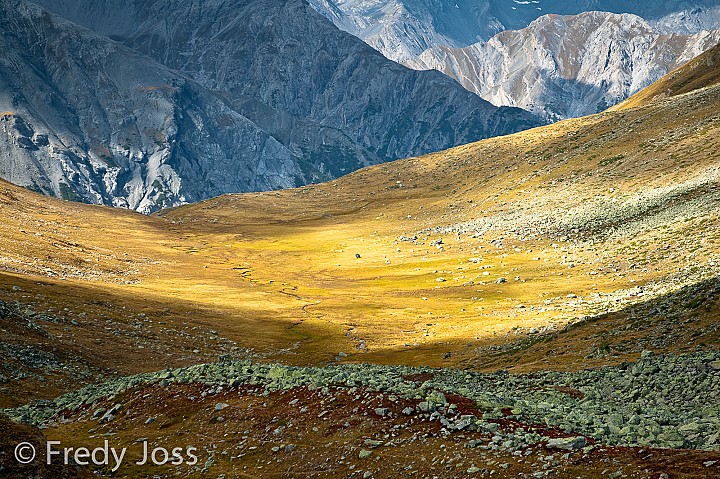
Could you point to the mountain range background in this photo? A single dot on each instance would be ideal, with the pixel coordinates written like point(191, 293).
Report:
point(557, 59)
point(146, 105)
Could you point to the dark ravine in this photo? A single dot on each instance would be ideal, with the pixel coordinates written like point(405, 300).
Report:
point(238, 96)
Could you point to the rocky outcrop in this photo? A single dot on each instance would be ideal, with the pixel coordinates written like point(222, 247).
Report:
point(658, 401)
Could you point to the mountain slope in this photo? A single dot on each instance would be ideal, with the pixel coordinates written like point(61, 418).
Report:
point(615, 213)
point(300, 63)
point(569, 66)
point(292, 60)
point(701, 72)
point(88, 119)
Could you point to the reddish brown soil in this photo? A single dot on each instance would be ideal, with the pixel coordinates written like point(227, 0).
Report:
point(317, 434)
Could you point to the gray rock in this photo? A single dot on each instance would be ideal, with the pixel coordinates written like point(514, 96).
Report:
point(382, 411)
point(99, 412)
point(373, 443)
point(425, 406)
point(567, 443)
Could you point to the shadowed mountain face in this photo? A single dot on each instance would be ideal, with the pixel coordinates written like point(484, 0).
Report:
point(287, 56)
point(209, 98)
point(87, 119)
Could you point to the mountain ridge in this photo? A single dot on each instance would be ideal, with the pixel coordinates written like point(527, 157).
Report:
point(404, 29)
point(569, 66)
point(493, 40)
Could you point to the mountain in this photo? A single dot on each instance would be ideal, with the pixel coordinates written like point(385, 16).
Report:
point(221, 96)
point(699, 74)
point(88, 119)
point(403, 29)
point(569, 66)
point(524, 54)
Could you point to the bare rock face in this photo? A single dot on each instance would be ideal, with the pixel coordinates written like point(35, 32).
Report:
point(522, 53)
point(568, 66)
point(87, 119)
point(169, 102)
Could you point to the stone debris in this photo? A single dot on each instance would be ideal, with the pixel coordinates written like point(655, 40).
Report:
point(664, 401)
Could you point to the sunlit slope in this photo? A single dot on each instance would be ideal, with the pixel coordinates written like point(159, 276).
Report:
point(480, 256)
point(87, 292)
point(579, 218)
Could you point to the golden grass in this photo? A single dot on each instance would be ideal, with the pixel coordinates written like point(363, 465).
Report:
point(278, 272)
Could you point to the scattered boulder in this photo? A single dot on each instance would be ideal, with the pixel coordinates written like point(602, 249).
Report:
point(373, 443)
point(567, 443)
point(382, 411)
